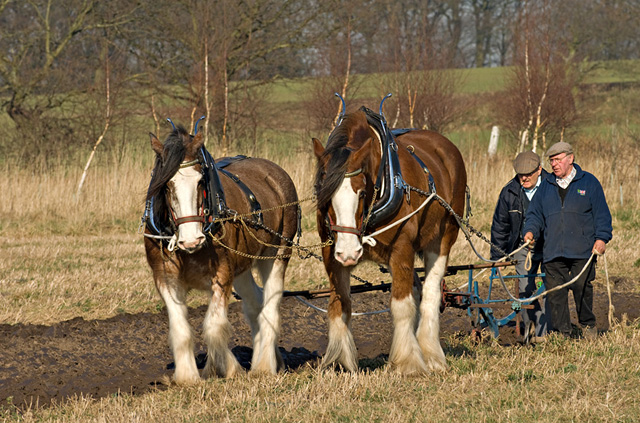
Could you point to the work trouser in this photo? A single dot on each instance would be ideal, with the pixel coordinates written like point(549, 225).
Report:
point(559, 271)
point(537, 314)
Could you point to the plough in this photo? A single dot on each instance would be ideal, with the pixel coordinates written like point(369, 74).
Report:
point(479, 308)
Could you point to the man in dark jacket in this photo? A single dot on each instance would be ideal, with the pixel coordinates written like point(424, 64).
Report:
point(571, 209)
point(507, 235)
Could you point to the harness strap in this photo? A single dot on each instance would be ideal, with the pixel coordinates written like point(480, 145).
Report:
point(389, 181)
point(186, 219)
point(253, 201)
point(189, 164)
point(432, 184)
point(354, 173)
point(345, 229)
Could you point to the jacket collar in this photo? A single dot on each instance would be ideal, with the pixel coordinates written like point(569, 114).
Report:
point(551, 177)
point(514, 184)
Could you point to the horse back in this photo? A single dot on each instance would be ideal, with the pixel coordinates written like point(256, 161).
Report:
point(443, 160)
point(272, 187)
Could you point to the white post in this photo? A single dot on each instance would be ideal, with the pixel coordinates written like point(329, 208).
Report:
point(493, 143)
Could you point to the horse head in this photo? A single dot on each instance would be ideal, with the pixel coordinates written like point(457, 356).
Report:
point(344, 184)
point(178, 177)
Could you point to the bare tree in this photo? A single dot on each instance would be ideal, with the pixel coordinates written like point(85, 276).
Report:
point(538, 102)
point(423, 85)
point(483, 14)
point(219, 53)
point(107, 123)
point(334, 62)
point(35, 40)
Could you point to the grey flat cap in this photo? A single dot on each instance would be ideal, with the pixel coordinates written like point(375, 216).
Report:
point(559, 147)
point(526, 162)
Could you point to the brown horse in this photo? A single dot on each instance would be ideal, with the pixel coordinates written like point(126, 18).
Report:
point(222, 261)
point(345, 185)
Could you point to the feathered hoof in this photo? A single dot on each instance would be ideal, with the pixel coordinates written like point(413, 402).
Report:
point(268, 363)
point(409, 368)
point(419, 367)
point(263, 369)
point(231, 369)
point(186, 380)
point(349, 366)
point(436, 365)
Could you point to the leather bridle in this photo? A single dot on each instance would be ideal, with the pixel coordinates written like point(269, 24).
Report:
point(348, 229)
point(200, 217)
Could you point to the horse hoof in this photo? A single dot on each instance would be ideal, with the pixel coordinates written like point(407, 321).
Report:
point(187, 381)
point(410, 369)
point(437, 366)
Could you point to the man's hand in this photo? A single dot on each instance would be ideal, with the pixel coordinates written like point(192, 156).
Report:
point(529, 237)
point(599, 247)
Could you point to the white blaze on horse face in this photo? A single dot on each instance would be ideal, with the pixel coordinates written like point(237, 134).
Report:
point(348, 248)
point(184, 202)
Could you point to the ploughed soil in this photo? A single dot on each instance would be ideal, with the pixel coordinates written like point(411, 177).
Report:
point(129, 353)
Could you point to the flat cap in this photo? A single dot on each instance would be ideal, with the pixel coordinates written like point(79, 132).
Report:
point(526, 162)
point(559, 147)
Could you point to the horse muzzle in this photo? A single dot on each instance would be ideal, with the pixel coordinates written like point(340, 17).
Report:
point(348, 250)
point(192, 246)
point(190, 235)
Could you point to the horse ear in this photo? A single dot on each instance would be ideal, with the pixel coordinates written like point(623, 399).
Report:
point(318, 149)
point(360, 154)
point(156, 144)
point(196, 143)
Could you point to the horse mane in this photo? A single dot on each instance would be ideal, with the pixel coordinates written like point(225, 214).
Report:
point(336, 155)
point(168, 163)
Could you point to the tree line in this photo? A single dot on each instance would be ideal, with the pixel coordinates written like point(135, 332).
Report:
point(68, 67)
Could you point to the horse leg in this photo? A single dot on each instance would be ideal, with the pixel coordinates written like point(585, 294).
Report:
point(180, 334)
point(341, 348)
point(417, 296)
point(266, 355)
point(216, 332)
point(251, 295)
point(428, 332)
point(405, 355)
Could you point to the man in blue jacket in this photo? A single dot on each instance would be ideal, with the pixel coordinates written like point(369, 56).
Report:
point(507, 235)
point(571, 210)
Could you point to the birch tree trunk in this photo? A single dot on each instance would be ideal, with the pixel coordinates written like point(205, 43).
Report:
point(346, 76)
point(104, 131)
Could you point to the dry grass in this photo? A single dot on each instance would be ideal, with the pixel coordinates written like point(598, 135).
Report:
point(63, 258)
point(84, 257)
point(59, 277)
point(562, 380)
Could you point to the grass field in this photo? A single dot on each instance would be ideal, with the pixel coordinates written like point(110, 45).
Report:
point(66, 257)
point(561, 381)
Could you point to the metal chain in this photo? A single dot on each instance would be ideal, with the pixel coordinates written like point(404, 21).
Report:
point(250, 256)
point(296, 245)
point(307, 249)
point(461, 221)
point(292, 244)
point(373, 199)
point(280, 206)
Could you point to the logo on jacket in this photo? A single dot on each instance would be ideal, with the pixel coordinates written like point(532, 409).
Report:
point(582, 192)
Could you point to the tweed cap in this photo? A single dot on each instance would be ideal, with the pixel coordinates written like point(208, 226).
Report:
point(526, 162)
point(558, 148)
